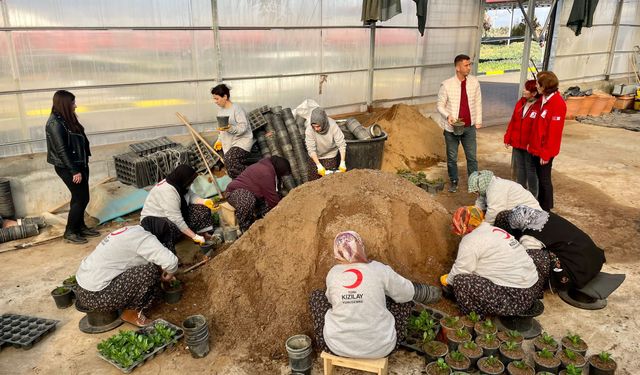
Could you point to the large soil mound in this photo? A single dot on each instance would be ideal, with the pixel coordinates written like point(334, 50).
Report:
point(415, 142)
point(258, 289)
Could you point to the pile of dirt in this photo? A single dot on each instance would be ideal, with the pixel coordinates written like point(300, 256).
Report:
point(257, 291)
point(415, 142)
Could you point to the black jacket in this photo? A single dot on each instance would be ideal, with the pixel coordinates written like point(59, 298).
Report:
point(66, 149)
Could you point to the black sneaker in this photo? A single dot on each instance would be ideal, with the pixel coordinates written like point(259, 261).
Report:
point(74, 238)
point(453, 187)
point(88, 232)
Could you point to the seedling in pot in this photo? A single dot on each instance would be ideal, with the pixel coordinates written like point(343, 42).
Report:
point(428, 336)
point(510, 335)
point(71, 280)
point(442, 364)
point(490, 365)
point(485, 327)
point(61, 290)
point(520, 368)
point(602, 363)
point(545, 341)
point(575, 343)
point(544, 353)
point(457, 361)
point(175, 284)
point(474, 317)
point(439, 367)
point(573, 370)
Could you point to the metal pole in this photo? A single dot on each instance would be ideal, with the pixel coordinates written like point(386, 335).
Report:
point(216, 39)
point(510, 25)
point(532, 30)
point(548, 45)
point(476, 53)
point(372, 57)
point(524, 66)
point(614, 39)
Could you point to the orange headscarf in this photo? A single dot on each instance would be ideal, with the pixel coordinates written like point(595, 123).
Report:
point(466, 219)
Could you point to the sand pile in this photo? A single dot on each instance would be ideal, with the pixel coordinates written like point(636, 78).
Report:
point(415, 142)
point(257, 290)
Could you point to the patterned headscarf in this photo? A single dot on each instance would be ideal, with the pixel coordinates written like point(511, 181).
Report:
point(524, 217)
point(319, 116)
point(349, 248)
point(466, 219)
point(479, 181)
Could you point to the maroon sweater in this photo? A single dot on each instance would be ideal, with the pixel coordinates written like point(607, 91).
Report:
point(259, 179)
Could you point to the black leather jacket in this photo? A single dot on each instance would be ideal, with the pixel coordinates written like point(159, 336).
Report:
point(66, 149)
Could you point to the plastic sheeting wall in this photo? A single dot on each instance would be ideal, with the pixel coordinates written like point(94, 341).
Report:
point(586, 57)
point(132, 65)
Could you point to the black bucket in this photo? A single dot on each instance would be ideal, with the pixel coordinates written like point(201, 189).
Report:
point(7, 210)
point(365, 153)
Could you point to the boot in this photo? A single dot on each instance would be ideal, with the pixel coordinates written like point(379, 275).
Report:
point(74, 238)
point(88, 232)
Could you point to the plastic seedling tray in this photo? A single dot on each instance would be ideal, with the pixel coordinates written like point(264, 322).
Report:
point(23, 331)
point(152, 353)
point(413, 340)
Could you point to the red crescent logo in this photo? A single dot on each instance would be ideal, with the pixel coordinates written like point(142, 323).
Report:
point(506, 235)
point(117, 232)
point(358, 278)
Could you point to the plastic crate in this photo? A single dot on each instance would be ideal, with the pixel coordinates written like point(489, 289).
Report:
point(256, 119)
point(23, 331)
point(142, 171)
point(149, 147)
point(413, 341)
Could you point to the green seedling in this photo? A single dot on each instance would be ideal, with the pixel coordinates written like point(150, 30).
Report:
point(570, 354)
point(470, 345)
point(428, 335)
point(60, 290)
point(175, 283)
point(422, 322)
point(457, 356)
point(462, 333)
point(574, 338)
point(545, 353)
point(513, 334)
point(605, 356)
point(451, 320)
point(487, 324)
point(573, 370)
point(548, 339)
point(489, 338)
point(70, 280)
point(511, 345)
point(129, 347)
point(474, 317)
point(520, 365)
point(442, 365)
point(492, 361)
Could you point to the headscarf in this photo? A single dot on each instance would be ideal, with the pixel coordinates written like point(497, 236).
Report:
point(466, 219)
point(524, 217)
point(349, 248)
point(319, 116)
point(479, 181)
point(281, 166)
point(181, 179)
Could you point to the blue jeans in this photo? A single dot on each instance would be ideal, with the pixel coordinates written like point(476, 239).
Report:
point(468, 140)
point(525, 170)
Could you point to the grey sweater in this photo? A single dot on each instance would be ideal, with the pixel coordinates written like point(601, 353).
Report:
point(325, 146)
point(239, 133)
point(122, 249)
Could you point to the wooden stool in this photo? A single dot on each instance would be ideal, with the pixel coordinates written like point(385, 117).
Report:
point(379, 366)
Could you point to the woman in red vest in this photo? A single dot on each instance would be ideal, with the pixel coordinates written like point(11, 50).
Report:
point(546, 135)
point(518, 133)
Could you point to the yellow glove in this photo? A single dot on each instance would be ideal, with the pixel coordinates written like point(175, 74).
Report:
point(198, 239)
point(321, 170)
point(342, 167)
point(217, 146)
point(443, 279)
point(210, 204)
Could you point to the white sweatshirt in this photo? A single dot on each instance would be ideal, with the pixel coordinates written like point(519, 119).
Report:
point(325, 146)
point(359, 325)
point(449, 100)
point(164, 201)
point(504, 195)
point(122, 249)
point(239, 133)
point(494, 254)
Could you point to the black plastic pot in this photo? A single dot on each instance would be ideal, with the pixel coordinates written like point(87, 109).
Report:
point(432, 355)
point(488, 371)
point(541, 367)
point(173, 295)
point(63, 299)
point(596, 369)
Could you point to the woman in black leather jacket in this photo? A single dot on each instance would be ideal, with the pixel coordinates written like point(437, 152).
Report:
point(68, 151)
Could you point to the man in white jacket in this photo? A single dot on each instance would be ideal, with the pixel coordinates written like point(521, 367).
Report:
point(459, 99)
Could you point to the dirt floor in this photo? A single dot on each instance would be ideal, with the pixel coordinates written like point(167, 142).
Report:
point(595, 178)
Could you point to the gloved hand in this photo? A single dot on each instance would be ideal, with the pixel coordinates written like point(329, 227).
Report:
point(217, 146)
point(198, 239)
point(211, 205)
point(343, 166)
point(443, 279)
point(321, 170)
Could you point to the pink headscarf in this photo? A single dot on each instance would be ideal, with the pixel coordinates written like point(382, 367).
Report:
point(349, 248)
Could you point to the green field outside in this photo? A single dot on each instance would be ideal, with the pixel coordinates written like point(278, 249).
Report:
point(505, 57)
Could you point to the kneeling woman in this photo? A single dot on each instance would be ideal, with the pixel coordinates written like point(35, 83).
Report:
point(493, 273)
point(574, 258)
point(255, 191)
point(365, 310)
point(124, 273)
point(172, 209)
point(325, 144)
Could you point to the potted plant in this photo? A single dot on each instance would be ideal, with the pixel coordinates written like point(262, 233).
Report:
point(602, 364)
point(172, 291)
point(434, 350)
point(510, 335)
point(545, 360)
point(470, 320)
point(471, 350)
point(457, 361)
point(569, 357)
point(457, 337)
point(458, 126)
point(70, 282)
point(575, 343)
point(450, 323)
point(439, 367)
point(520, 368)
point(62, 297)
point(489, 344)
point(545, 341)
point(571, 370)
point(511, 351)
point(484, 327)
point(434, 186)
point(490, 365)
